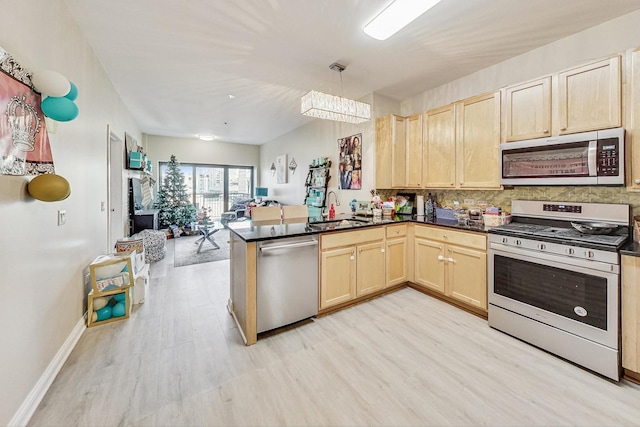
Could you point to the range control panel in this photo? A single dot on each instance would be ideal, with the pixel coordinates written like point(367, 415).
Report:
point(552, 207)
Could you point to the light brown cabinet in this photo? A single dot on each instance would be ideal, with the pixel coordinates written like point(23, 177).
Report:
point(453, 263)
point(352, 264)
point(439, 148)
point(414, 151)
point(589, 97)
point(461, 144)
point(390, 152)
point(630, 308)
point(396, 254)
point(585, 98)
point(528, 110)
point(633, 127)
point(478, 141)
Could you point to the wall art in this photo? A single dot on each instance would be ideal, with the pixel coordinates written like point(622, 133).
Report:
point(281, 169)
point(24, 143)
point(350, 162)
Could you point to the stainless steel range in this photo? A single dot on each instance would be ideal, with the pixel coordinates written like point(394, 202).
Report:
point(556, 287)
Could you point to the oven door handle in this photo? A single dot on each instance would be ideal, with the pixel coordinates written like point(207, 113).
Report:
point(592, 159)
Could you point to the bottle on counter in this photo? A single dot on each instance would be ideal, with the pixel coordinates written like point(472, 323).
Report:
point(430, 209)
point(332, 212)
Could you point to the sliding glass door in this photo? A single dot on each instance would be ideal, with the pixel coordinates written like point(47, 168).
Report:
point(215, 188)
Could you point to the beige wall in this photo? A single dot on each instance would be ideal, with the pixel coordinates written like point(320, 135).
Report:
point(192, 150)
point(42, 264)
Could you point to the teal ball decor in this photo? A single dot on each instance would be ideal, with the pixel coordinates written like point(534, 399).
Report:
point(60, 109)
point(120, 297)
point(119, 309)
point(104, 313)
point(73, 92)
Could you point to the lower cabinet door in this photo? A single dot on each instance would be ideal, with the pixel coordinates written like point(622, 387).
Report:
point(370, 268)
point(396, 265)
point(429, 264)
point(337, 276)
point(467, 275)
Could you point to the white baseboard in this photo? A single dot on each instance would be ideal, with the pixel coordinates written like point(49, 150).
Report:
point(30, 404)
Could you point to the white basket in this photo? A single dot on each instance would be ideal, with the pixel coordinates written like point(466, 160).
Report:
point(495, 220)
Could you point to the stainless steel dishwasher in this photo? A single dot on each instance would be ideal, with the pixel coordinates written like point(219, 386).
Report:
point(287, 281)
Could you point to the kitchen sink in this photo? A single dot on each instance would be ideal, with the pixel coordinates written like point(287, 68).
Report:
point(337, 224)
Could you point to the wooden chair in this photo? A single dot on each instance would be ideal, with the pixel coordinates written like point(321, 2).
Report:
point(265, 213)
point(295, 211)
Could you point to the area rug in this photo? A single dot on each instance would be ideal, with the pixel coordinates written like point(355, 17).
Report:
point(186, 247)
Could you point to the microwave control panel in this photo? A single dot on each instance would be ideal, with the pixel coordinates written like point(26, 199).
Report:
point(608, 157)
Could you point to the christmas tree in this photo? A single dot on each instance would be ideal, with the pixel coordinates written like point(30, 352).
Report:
point(173, 200)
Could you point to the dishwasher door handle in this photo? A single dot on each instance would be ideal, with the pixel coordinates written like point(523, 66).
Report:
point(289, 246)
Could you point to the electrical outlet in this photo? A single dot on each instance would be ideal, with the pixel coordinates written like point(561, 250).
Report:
point(62, 217)
point(469, 202)
point(103, 206)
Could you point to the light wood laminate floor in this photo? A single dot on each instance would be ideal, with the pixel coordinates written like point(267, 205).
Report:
point(402, 359)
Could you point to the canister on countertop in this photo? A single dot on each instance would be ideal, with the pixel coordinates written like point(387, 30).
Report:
point(420, 205)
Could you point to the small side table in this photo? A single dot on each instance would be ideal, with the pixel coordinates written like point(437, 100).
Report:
point(207, 231)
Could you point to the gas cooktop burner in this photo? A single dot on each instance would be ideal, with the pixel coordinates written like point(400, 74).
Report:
point(561, 234)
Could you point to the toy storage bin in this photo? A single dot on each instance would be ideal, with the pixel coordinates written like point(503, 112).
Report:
point(108, 306)
point(112, 271)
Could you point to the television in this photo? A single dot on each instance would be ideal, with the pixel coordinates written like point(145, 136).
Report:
point(137, 196)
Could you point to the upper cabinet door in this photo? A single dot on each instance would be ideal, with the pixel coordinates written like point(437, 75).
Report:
point(414, 151)
point(589, 97)
point(439, 148)
point(399, 153)
point(478, 141)
point(528, 110)
point(384, 143)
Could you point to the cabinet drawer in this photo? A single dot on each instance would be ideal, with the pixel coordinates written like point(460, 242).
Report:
point(447, 235)
point(337, 239)
point(396, 231)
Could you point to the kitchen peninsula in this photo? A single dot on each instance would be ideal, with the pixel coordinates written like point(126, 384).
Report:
point(344, 261)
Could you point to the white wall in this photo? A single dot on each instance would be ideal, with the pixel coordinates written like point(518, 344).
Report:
point(587, 46)
point(319, 138)
point(41, 263)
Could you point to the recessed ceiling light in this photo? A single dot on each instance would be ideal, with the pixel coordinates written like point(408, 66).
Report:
point(207, 137)
point(232, 96)
point(396, 16)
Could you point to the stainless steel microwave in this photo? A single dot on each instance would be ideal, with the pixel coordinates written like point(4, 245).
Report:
point(589, 158)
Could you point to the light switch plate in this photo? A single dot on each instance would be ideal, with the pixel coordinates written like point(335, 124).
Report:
point(62, 217)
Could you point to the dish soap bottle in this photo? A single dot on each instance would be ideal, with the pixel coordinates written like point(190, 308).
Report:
point(332, 212)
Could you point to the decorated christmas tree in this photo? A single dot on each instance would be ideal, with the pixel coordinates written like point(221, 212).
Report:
point(173, 200)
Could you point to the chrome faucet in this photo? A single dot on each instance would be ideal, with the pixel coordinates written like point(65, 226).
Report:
point(335, 196)
point(326, 207)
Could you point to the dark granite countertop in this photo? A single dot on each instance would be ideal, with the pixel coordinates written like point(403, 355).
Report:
point(254, 231)
point(630, 248)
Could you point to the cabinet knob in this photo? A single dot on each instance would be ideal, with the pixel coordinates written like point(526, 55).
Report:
point(545, 130)
point(440, 258)
point(636, 181)
point(563, 128)
point(451, 260)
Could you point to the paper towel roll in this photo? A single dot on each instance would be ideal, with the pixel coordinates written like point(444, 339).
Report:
point(420, 205)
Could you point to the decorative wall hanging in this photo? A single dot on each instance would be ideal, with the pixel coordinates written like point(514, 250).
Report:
point(24, 143)
point(293, 166)
point(281, 169)
point(350, 162)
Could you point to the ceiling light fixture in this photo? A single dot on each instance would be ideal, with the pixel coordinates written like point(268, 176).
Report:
point(206, 137)
point(396, 16)
point(331, 107)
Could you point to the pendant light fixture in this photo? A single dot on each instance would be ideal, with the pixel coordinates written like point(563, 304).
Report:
point(331, 107)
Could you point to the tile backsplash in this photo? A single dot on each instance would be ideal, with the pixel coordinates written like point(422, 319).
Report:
point(502, 198)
